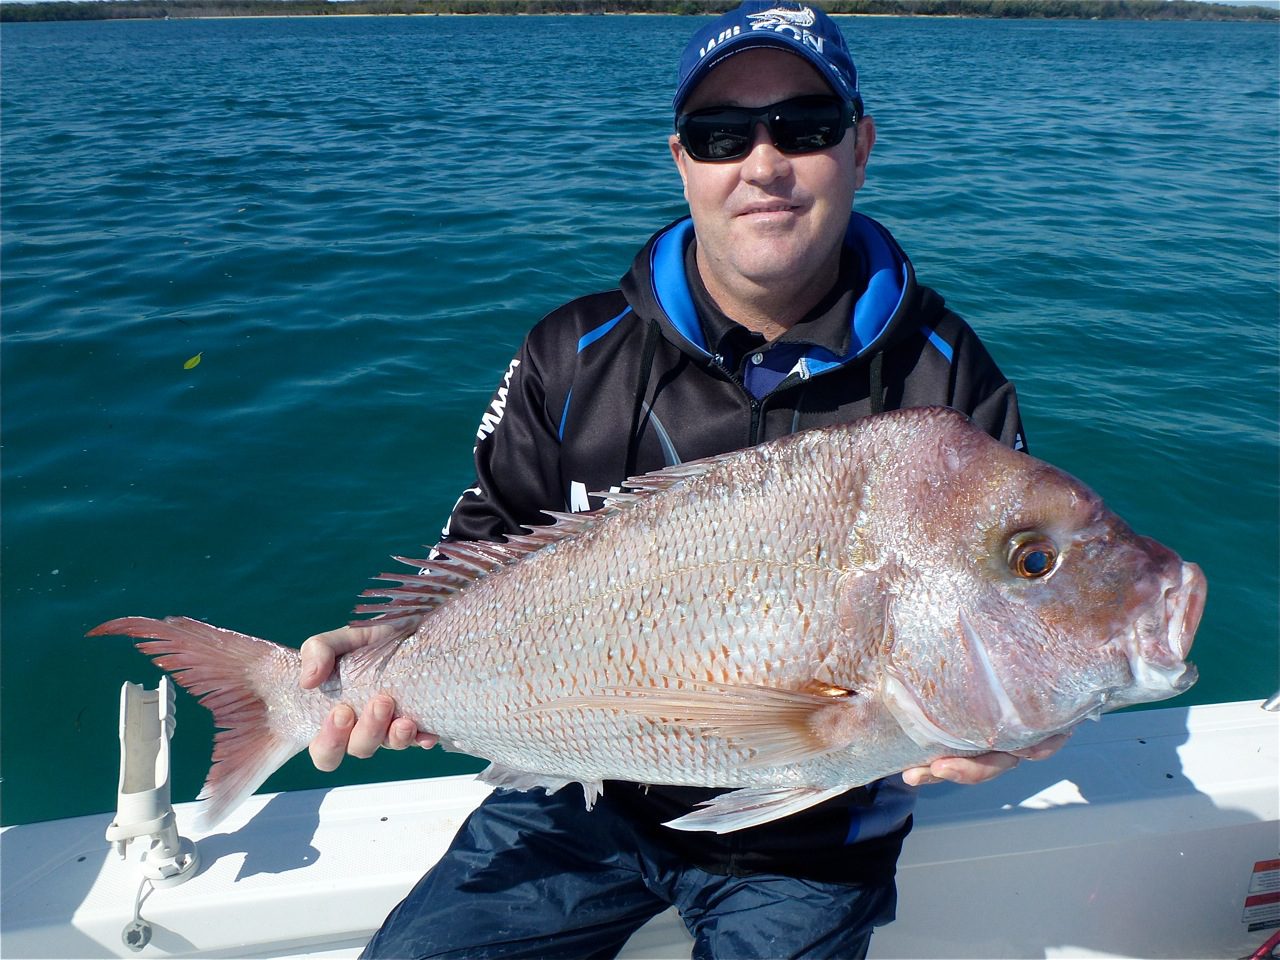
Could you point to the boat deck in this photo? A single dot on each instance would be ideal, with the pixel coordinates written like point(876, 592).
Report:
point(1152, 834)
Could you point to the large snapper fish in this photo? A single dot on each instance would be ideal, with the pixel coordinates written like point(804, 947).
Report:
point(791, 621)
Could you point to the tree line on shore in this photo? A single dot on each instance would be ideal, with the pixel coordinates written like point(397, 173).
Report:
point(1055, 9)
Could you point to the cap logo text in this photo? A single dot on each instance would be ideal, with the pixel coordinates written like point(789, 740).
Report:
point(724, 35)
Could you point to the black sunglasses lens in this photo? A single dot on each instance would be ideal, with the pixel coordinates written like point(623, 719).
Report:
point(717, 134)
point(807, 126)
point(801, 125)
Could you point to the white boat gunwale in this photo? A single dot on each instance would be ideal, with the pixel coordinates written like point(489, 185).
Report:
point(1138, 839)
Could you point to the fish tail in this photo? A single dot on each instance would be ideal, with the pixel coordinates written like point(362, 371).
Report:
point(230, 673)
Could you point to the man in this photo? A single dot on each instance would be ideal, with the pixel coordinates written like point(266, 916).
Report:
point(772, 309)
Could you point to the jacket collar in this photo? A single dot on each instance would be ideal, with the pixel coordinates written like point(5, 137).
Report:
point(886, 268)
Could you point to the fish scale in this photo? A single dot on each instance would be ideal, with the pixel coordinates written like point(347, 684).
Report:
point(786, 622)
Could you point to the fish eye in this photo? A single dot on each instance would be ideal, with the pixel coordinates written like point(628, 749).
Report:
point(1032, 558)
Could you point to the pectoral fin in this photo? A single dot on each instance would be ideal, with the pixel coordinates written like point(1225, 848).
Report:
point(751, 807)
point(777, 726)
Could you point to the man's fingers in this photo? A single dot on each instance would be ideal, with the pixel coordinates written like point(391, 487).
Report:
point(317, 663)
point(401, 734)
point(1045, 748)
point(984, 767)
point(321, 651)
point(404, 733)
point(918, 777)
point(372, 729)
point(330, 744)
point(968, 770)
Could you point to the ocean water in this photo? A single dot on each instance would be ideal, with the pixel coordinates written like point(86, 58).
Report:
point(352, 221)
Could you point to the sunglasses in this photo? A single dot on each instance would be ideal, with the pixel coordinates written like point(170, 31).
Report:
point(799, 125)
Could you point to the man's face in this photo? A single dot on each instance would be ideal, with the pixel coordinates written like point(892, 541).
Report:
point(769, 218)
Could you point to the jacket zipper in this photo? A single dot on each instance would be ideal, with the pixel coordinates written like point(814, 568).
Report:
point(753, 432)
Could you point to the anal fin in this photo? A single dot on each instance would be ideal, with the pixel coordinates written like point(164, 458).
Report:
point(752, 806)
point(508, 779)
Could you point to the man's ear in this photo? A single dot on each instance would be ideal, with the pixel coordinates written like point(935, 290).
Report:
point(681, 158)
point(866, 131)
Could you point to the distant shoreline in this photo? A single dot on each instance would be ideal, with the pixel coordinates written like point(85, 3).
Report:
point(556, 13)
point(47, 10)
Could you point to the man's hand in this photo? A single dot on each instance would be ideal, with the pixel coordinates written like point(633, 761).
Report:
point(983, 767)
point(343, 733)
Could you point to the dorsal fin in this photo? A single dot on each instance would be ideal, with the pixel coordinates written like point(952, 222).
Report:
point(456, 564)
point(639, 488)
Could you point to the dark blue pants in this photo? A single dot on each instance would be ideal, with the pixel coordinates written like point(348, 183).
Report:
point(538, 877)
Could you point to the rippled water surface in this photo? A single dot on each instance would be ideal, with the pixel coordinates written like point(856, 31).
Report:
point(352, 221)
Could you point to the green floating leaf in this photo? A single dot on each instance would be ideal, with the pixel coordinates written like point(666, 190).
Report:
point(193, 361)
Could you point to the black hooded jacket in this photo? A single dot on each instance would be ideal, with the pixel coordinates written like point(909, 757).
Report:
point(624, 382)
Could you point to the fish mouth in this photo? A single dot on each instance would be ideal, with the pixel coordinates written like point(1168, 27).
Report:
point(1158, 660)
point(1184, 606)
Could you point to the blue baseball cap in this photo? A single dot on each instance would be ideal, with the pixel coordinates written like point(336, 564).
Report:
point(795, 27)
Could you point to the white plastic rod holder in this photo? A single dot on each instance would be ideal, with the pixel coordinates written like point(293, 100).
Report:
point(143, 807)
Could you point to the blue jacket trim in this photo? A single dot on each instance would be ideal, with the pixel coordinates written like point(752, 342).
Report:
point(887, 275)
point(886, 270)
point(671, 286)
point(944, 348)
point(564, 417)
point(586, 340)
point(590, 337)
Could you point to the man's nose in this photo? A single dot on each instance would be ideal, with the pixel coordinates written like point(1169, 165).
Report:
point(765, 162)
